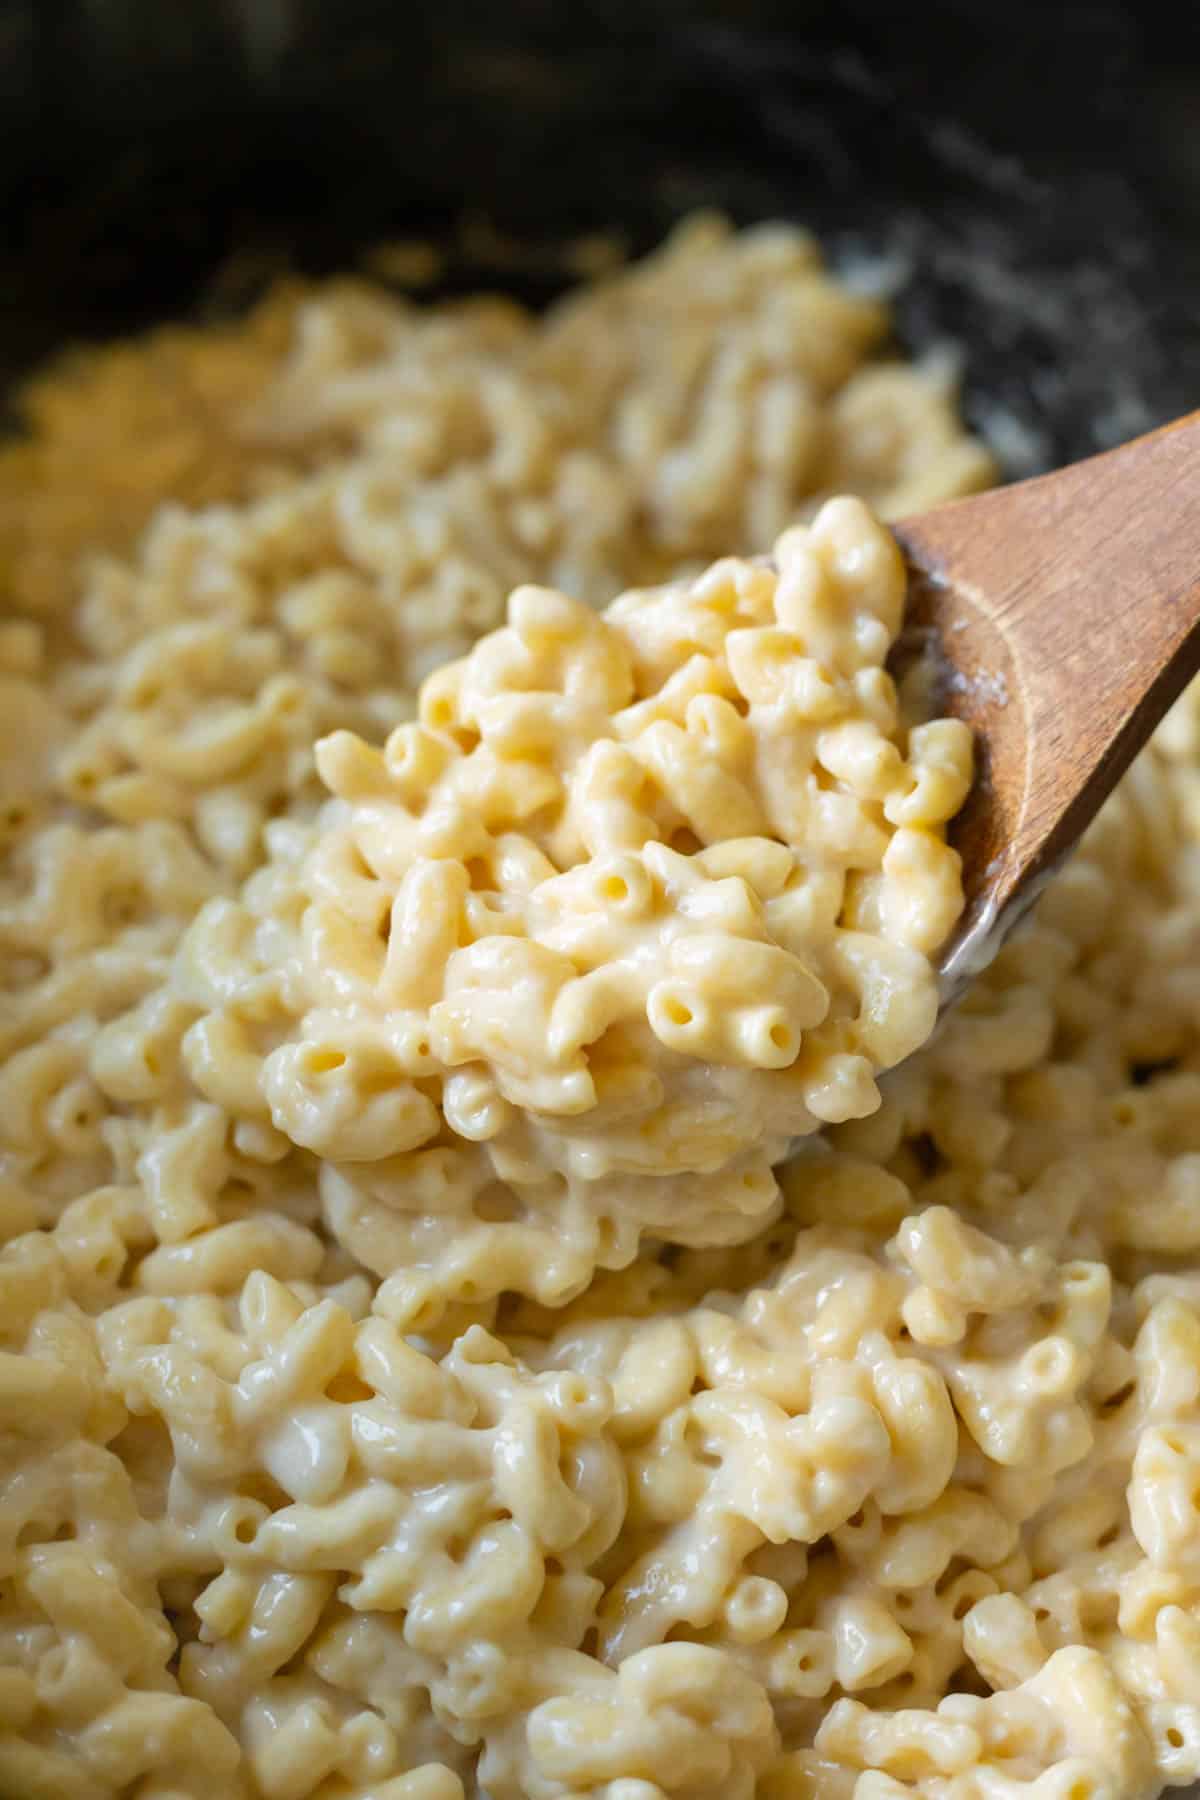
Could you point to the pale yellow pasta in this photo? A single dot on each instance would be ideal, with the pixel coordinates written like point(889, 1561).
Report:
point(629, 1013)
point(349, 1448)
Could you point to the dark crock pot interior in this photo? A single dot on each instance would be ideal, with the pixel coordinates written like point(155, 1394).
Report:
point(1028, 176)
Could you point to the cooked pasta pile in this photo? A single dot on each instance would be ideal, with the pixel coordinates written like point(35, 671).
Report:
point(414, 1379)
point(640, 898)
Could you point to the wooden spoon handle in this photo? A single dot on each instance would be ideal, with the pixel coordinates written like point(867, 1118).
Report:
point(1065, 611)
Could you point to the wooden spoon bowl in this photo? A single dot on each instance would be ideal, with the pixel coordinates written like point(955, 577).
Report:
point(1061, 617)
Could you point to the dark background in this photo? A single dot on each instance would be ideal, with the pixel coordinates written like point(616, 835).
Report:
point(1038, 166)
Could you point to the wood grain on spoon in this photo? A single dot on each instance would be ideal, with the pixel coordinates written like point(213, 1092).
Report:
point(1063, 615)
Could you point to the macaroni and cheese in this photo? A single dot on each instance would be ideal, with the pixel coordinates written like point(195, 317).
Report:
point(638, 898)
point(415, 1379)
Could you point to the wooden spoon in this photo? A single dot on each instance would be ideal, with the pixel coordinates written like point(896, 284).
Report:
point(1063, 618)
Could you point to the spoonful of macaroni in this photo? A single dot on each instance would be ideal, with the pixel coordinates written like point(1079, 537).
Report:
point(643, 896)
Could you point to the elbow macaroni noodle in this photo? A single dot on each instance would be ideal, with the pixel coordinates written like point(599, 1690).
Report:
point(365, 1431)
